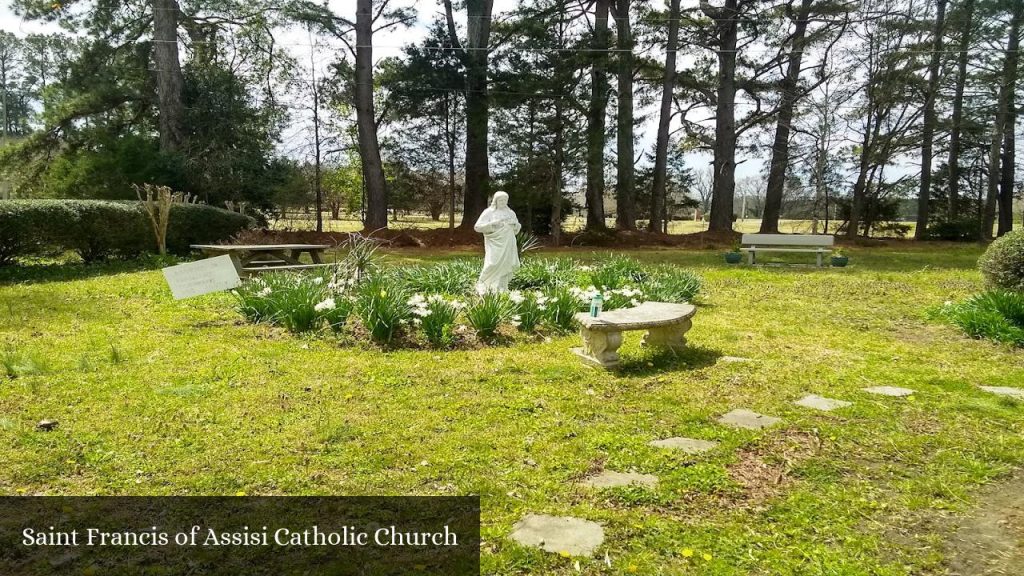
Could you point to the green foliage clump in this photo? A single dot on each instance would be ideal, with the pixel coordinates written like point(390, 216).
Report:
point(455, 278)
point(671, 285)
point(617, 272)
point(542, 274)
point(300, 303)
point(436, 316)
point(383, 307)
point(1002, 264)
point(561, 305)
point(529, 308)
point(995, 315)
point(431, 300)
point(488, 312)
point(98, 229)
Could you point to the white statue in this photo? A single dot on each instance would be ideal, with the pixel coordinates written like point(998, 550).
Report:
point(499, 226)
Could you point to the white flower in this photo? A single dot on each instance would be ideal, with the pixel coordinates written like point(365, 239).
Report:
point(327, 304)
point(318, 280)
point(541, 307)
point(265, 292)
point(421, 312)
point(634, 302)
point(416, 300)
point(516, 297)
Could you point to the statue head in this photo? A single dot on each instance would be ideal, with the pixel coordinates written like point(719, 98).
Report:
point(500, 200)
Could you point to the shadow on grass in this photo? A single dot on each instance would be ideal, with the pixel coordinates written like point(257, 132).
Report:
point(656, 361)
point(56, 271)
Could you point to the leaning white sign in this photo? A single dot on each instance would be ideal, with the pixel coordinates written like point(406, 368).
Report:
point(202, 277)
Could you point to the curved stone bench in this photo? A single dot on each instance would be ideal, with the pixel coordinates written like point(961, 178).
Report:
point(665, 323)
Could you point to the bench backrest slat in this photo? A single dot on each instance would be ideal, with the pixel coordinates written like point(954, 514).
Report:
point(788, 239)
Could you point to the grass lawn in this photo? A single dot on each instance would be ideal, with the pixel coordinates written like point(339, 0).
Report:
point(161, 397)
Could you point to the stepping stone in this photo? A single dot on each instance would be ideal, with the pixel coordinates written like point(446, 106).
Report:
point(687, 445)
point(741, 418)
point(559, 534)
point(821, 403)
point(612, 479)
point(1005, 391)
point(889, 391)
point(734, 359)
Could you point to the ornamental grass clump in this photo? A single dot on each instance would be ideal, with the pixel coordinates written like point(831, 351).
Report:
point(382, 306)
point(299, 303)
point(560, 308)
point(487, 312)
point(671, 285)
point(435, 315)
point(543, 274)
point(529, 307)
point(617, 272)
point(996, 315)
point(456, 278)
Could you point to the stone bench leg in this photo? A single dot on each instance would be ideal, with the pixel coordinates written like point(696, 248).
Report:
point(600, 348)
point(671, 337)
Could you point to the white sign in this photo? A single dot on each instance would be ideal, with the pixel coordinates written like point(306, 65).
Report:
point(202, 277)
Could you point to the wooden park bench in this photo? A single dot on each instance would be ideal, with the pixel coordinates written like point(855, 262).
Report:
point(253, 258)
point(818, 244)
point(664, 322)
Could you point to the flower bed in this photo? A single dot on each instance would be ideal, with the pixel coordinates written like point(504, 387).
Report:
point(437, 306)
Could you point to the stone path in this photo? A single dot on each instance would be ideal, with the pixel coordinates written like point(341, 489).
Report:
point(821, 403)
point(734, 359)
point(687, 445)
point(612, 479)
point(1005, 391)
point(889, 391)
point(747, 419)
point(559, 534)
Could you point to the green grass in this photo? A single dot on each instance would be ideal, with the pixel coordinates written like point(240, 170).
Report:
point(161, 397)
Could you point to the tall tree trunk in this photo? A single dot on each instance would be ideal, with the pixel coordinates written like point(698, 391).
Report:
point(724, 185)
point(478, 30)
point(783, 126)
point(659, 191)
point(924, 192)
point(953, 164)
point(1001, 123)
point(860, 186)
point(596, 118)
point(625, 181)
point(558, 168)
point(369, 148)
point(1009, 161)
point(317, 176)
point(450, 139)
point(169, 81)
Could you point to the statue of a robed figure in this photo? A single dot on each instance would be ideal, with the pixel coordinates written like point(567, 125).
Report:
point(499, 225)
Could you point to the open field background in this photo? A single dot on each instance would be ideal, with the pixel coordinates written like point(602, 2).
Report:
point(352, 223)
point(161, 397)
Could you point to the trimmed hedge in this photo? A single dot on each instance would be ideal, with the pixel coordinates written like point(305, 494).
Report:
point(1002, 264)
point(98, 229)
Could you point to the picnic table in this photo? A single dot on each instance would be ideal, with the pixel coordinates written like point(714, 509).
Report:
point(253, 258)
